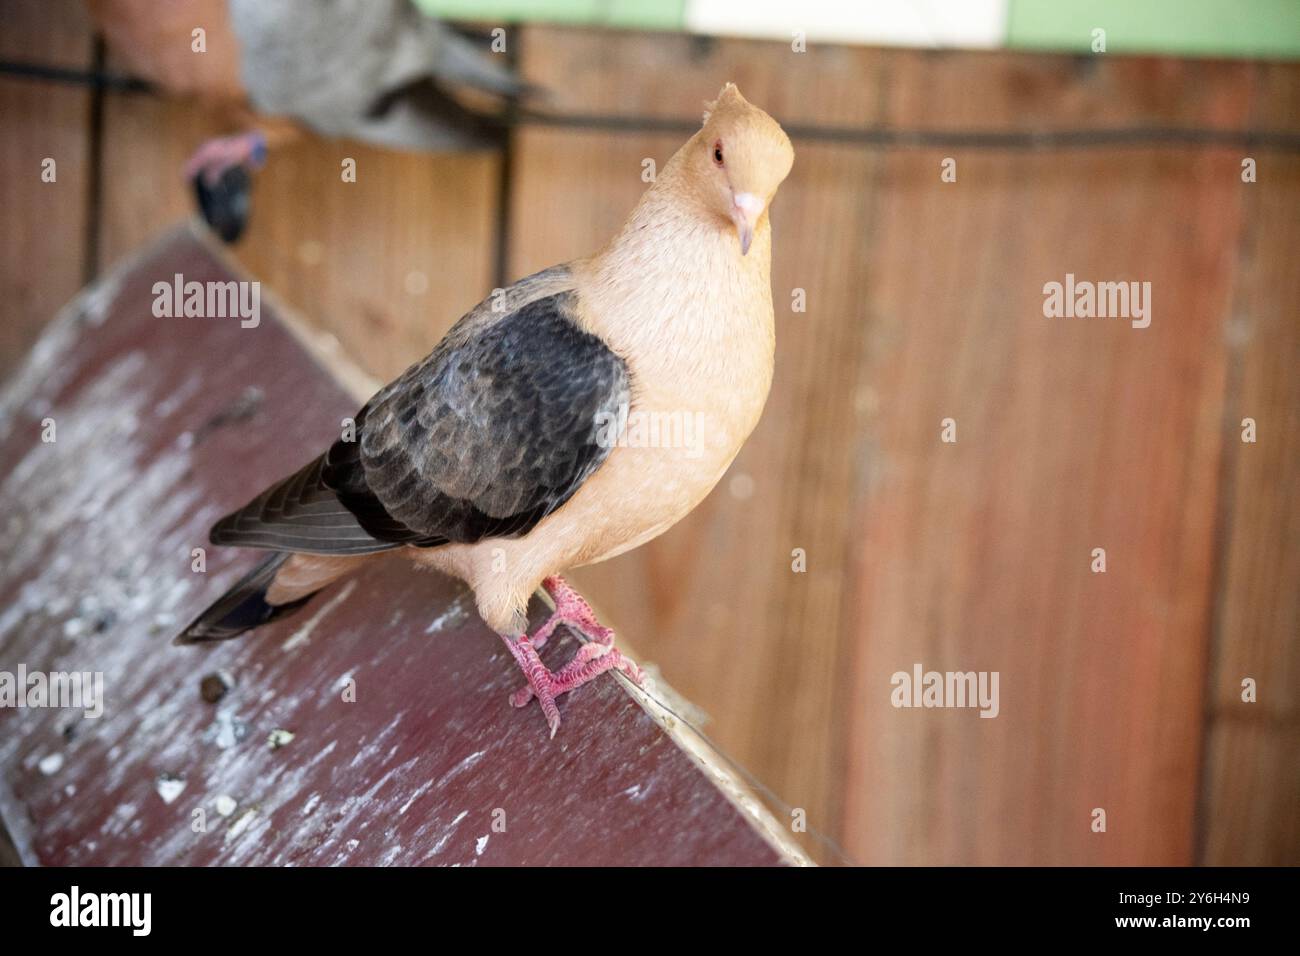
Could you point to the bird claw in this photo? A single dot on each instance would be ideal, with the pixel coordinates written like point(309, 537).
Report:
point(545, 696)
point(591, 660)
point(215, 156)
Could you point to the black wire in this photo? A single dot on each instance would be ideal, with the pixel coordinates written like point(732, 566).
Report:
point(869, 136)
point(884, 137)
point(95, 156)
point(96, 78)
point(506, 171)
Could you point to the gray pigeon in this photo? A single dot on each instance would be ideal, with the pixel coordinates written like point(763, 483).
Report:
point(374, 70)
point(379, 71)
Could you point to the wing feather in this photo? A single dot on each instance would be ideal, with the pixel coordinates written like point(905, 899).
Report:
point(493, 431)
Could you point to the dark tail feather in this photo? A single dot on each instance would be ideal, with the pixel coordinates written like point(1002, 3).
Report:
point(242, 608)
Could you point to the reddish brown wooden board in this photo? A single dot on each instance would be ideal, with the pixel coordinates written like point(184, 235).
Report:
point(162, 425)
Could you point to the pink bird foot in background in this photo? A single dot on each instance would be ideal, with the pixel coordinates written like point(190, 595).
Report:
point(221, 172)
point(218, 155)
point(592, 659)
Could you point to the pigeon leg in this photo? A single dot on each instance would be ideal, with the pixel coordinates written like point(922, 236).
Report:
point(221, 173)
point(591, 660)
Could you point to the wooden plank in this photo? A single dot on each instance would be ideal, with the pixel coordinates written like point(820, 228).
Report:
point(715, 601)
point(425, 764)
point(1251, 810)
point(42, 242)
point(1073, 434)
point(385, 264)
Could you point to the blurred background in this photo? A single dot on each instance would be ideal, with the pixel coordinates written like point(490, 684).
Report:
point(924, 301)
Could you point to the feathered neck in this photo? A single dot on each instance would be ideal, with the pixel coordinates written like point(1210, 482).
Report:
point(672, 291)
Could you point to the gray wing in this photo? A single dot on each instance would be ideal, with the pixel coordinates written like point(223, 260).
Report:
point(492, 432)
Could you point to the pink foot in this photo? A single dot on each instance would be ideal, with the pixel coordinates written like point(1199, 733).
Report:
point(217, 155)
point(592, 659)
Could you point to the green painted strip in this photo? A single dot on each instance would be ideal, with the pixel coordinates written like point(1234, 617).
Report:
point(1227, 28)
point(632, 14)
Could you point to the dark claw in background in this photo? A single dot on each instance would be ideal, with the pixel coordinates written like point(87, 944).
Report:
point(225, 204)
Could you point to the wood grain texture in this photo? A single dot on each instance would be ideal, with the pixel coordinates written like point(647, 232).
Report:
point(425, 762)
point(43, 239)
point(715, 602)
point(1073, 434)
point(147, 140)
point(1251, 809)
point(385, 264)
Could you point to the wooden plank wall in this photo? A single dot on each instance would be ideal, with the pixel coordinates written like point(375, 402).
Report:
point(1119, 691)
point(42, 225)
point(1077, 435)
point(1250, 811)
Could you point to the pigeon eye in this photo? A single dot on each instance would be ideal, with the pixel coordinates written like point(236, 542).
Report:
point(717, 152)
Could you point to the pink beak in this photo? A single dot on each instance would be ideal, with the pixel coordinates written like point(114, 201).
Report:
point(745, 211)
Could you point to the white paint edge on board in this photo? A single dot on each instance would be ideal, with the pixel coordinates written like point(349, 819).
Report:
point(919, 23)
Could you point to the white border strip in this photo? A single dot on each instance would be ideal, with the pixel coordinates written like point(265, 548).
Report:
point(924, 23)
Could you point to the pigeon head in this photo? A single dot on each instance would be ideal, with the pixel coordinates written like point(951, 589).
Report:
point(742, 157)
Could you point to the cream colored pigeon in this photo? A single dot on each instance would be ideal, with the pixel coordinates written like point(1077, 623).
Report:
point(531, 440)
